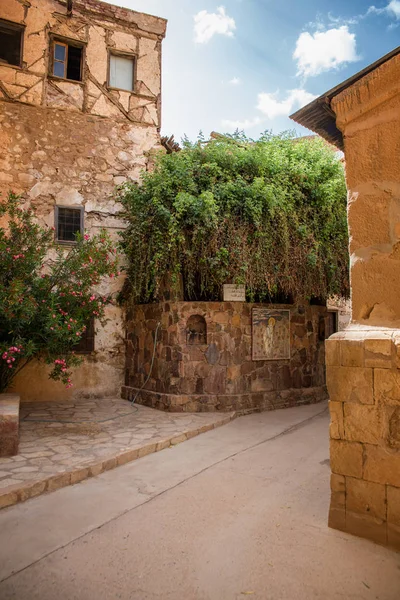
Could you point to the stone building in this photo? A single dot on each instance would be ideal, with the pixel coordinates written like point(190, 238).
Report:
point(80, 106)
point(362, 117)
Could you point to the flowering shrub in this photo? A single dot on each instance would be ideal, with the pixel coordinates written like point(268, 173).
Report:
point(47, 292)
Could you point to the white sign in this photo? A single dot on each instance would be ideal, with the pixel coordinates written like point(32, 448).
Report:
point(234, 293)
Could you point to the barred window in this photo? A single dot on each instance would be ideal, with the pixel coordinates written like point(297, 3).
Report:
point(69, 222)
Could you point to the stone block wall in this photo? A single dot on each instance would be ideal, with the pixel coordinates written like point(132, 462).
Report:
point(70, 143)
point(220, 373)
point(363, 378)
point(363, 362)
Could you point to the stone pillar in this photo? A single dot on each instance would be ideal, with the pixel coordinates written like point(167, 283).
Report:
point(363, 362)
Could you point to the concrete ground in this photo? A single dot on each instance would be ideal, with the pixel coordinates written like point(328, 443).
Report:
point(238, 512)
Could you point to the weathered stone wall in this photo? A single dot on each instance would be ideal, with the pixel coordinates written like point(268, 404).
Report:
point(220, 374)
point(100, 27)
point(70, 143)
point(363, 380)
point(368, 114)
point(363, 363)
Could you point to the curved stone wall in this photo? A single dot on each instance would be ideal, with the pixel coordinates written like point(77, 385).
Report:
point(221, 373)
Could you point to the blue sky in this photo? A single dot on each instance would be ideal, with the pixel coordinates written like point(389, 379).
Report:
point(251, 63)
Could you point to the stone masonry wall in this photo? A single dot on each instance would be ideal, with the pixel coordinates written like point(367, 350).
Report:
point(363, 377)
point(363, 362)
point(368, 114)
point(70, 143)
point(220, 374)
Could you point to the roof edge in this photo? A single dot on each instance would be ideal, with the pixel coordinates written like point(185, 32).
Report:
point(317, 114)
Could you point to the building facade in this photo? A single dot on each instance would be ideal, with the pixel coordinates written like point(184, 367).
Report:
point(80, 108)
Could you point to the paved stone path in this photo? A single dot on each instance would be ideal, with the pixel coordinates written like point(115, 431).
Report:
point(64, 443)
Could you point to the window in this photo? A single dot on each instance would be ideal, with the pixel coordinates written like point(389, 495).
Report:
point(69, 222)
point(11, 35)
point(67, 61)
point(86, 343)
point(121, 72)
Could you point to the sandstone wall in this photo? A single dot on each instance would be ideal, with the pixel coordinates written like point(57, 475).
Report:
point(220, 374)
point(363, 379)
point(368, 114)
point(70, 143)
point(363, 362)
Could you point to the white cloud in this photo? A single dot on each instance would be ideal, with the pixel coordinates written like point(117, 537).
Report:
point(206, 25)
point(246, 124)
point(272, 107)
point(235, 81)
point(393, 8)
point(324, 50)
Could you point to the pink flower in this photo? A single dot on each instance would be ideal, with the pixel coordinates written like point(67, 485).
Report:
point(86, 236)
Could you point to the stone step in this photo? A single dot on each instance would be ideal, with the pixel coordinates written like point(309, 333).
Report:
point(9, 424)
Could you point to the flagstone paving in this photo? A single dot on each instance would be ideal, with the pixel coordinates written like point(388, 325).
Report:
point(64, 443)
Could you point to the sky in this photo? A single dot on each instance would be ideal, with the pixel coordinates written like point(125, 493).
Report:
point(249, 64)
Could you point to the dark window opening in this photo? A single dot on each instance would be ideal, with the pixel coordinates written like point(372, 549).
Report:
point(196, 330)
point(67, 61)
point(69, 222)
point(10, 43)
point(86, 343)
point(332, 325)
point(327, 326)
point(74, 63)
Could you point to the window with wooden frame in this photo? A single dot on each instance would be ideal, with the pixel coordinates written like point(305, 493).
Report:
point(68, 222)
point(86, 343)
point(11, 39)
point(121, 71)
point(66, 60)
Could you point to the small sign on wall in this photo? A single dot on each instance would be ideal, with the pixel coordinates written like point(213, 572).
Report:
point(234, 293)
point(271, 334)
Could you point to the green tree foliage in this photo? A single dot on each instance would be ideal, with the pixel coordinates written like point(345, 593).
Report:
point(270, 214)
point(46, 293)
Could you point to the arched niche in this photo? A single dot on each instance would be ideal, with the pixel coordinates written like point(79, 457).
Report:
point(196, 330)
